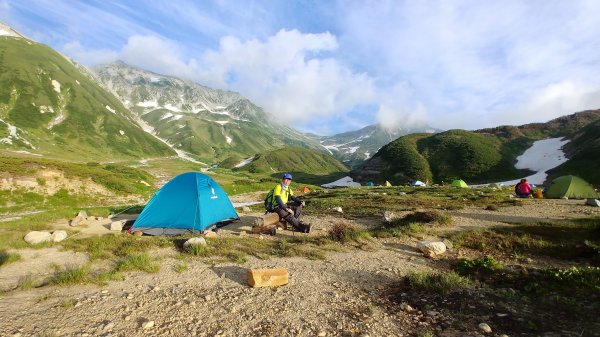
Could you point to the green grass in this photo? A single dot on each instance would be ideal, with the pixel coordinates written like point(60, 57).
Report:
point(71, 275)
point(566, 240)
point(343, 233)
point(8, 258)
point(180, 268)
point(139, 262)
point(439, 282)
point(89, 129)
point(27, 282)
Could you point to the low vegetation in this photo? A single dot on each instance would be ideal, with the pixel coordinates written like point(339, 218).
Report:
point(439, 282)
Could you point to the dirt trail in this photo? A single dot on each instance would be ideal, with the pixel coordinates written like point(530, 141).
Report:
point(345, 295)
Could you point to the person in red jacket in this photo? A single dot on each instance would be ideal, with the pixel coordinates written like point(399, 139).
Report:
point(523, 189)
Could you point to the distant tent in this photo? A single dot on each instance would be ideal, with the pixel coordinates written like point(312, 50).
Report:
point(459, 183)
point(417, 183)
point(190, 201)
point(571, 187)
point(387, 183)
point(305, 189)
point(370, 183)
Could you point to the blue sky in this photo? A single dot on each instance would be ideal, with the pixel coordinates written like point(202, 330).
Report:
point(334, 66)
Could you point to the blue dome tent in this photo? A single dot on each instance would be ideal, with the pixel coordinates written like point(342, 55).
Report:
point(191, 201)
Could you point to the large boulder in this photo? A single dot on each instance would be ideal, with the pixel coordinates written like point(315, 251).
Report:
point(58, 236)
point(36, 237)
point(430, 248)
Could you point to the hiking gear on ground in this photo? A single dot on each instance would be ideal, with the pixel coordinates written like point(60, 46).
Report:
point(571, 187)
point(189, 202)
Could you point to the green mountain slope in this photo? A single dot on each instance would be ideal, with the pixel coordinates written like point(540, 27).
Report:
point(305, 163)
point(49, 107)
point(584, 155)
point(485, 155)
point(211, 125)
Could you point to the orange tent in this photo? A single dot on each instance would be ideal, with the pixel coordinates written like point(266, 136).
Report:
point(305, 189)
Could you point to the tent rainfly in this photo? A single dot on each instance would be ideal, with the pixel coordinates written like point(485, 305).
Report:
point(191, 201)
point(459, 183)
point(417, 183)
point(571, 187)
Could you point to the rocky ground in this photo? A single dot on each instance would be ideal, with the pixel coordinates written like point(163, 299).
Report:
point(356, 292)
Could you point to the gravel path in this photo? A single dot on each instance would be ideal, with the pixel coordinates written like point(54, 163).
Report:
point(345, 295)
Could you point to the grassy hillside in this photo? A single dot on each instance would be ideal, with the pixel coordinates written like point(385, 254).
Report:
point(26, 183)
point(485, 155)
point(48, 106)
point(307, 165)
point(584, 155)
point(405, 161)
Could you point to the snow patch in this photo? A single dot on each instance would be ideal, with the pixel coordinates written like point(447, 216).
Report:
point(56, 86)
point(352, 149)
point(221, 122)
point(245, 162)
point(343, 182)
point(5, 32)
point(367, 155)
point(165, 116)
point(110, 109)
point(29, 153)
point(148, 104)
point(154, 79)
point(542, 156)
point(177, 117)
point(228, 139)
point(44, 109)
point(122, 132)
point(77, 81)
point(172, 108)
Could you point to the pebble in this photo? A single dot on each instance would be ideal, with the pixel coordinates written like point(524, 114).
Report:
point(148, 325)
point(322, 333)
point(104, 291)
point(485, 328)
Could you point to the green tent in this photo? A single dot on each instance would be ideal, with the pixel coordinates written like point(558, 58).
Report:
point(459, 183)
point(571, 187)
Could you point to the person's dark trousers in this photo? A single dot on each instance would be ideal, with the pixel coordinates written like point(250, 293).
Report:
point(292, 220)
point(523, 195)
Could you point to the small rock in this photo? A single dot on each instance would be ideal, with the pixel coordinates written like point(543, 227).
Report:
point(210, 235)
point(485, 328)
point(338, 209)
point(108, 326)
point(104, 291)
point(117, 225)
point(58, 236)
point(406, 307)
point(147, 325)
point(243, 233)
point(245, 209)
point(194, 242)
point(36, 237)
point(448, 243)
point(267, 277)
point(322, 333)
point(388, 216)
point(431, 248)
point(82, 214)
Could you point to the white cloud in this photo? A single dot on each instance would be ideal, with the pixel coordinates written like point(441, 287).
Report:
point(555, 100)
point(398, 107)
point(289, 74)
point(77, 52)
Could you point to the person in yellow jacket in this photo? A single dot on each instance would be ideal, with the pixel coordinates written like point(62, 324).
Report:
point(282, 201)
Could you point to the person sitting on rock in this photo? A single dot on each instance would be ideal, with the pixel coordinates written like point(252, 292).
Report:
point(278, 201)
point(523, 189)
